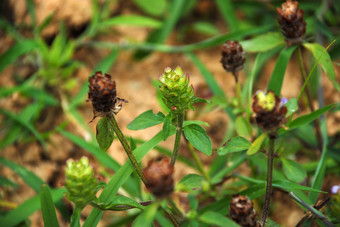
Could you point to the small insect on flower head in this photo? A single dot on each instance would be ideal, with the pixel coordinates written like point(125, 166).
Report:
point(102, 94)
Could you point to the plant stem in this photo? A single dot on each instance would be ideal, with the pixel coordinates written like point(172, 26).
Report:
point(113, 123)
point(238, 91)
point(269, 187)
point(75, 219)
point(198, 162)
point(174, 207)
point(310, 99)
point(171, 218)
point(179, 128)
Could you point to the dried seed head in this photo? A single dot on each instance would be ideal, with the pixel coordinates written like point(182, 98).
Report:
point(102, 94)
point(293, 26)
point(177, 93)
point(242, 211)
point(159, 177)
point(232, 57)
point(80, 182)
point(270, 111)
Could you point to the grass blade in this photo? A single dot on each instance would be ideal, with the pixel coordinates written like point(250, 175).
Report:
point(47, 207)
point(25, 209)
point(131, 20)
point(228, 12)
point(276, 79)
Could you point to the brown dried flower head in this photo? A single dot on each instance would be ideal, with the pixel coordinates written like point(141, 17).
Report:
point(232, 57)
point(242, 211)
point(293, 26)
point(270, 111)
point(102, 94)
point(159, 176)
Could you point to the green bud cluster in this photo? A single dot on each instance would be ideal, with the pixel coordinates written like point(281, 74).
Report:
point(80, 182)
point(178, 95)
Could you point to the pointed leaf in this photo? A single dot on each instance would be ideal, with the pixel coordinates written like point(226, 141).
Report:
point(276, 79)
point(305, 119)
point(146, 120)
point(104, 134)
point(236, 144)
point(243, 128)
point(47, 207)
point(216, 219)
point(131, 20)
point(189, 182)
point(146, 218)
point(263, 43)
point(256, 145)
point(198, 137)
point(166, 126)
point(293, 171)
point(292, 106)
point(325, 61)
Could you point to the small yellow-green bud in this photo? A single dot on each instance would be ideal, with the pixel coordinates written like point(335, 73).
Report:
point(80, 182)
point(266, 101)
point(177, 93)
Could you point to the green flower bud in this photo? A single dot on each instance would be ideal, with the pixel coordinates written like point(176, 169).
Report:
point(178, 95)
point(80, 182)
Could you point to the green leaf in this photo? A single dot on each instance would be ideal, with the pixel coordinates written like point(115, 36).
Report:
point(189, 182)
point(47, 207)
point(132, 20)
point(166, 126)
point(152, 7)
point(186, 123)
point(28, 177)
point(292, 106)
point(254, 191)
point(291, 186)
point(305, 119)
point(229, 13)
point(256, 145)
point(216, 219)
point(278, 74)
point(146, 120)
point(104, 134)
point(25, 209)
point(198, 137)
point(263, 43)
point(325, 61)
point(243, 128)
point(121, 203)
point(205, 28)
point(119, 178)
point(236, 144)
point(4, 182)
point(146, 218)
point(293, 171)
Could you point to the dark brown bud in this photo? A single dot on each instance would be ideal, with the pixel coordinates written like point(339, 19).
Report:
point(159, 176)
point(270, 111)
point(102, 94)
point(232, 57)
point(242, 211)
point(293, 26)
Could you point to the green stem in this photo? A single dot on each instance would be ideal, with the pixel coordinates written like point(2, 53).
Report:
point(180, 119)
point(171, 218)
point(269, 186)
point(174, 207)
point(238, 92)
point(198, 162)
point(310, 99)
point(75, 219)
point(113, 123)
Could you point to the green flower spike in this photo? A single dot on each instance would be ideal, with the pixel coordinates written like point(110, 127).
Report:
point(178, 95)
point(80, 182)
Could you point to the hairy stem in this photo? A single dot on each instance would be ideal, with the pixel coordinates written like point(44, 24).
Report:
point(173, 207)
point(269, 187)
point(179, 128)
point(171, 218)
point(310, 99)
point(113, 123)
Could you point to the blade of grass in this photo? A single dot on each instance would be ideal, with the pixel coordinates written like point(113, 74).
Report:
point(25, 124)
point(25, 209)
point(121, 176)
point(228, 12)
point(276, 79)
point(47, 207)
point(159, 36)
point(131, 20)
point(148, 46)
